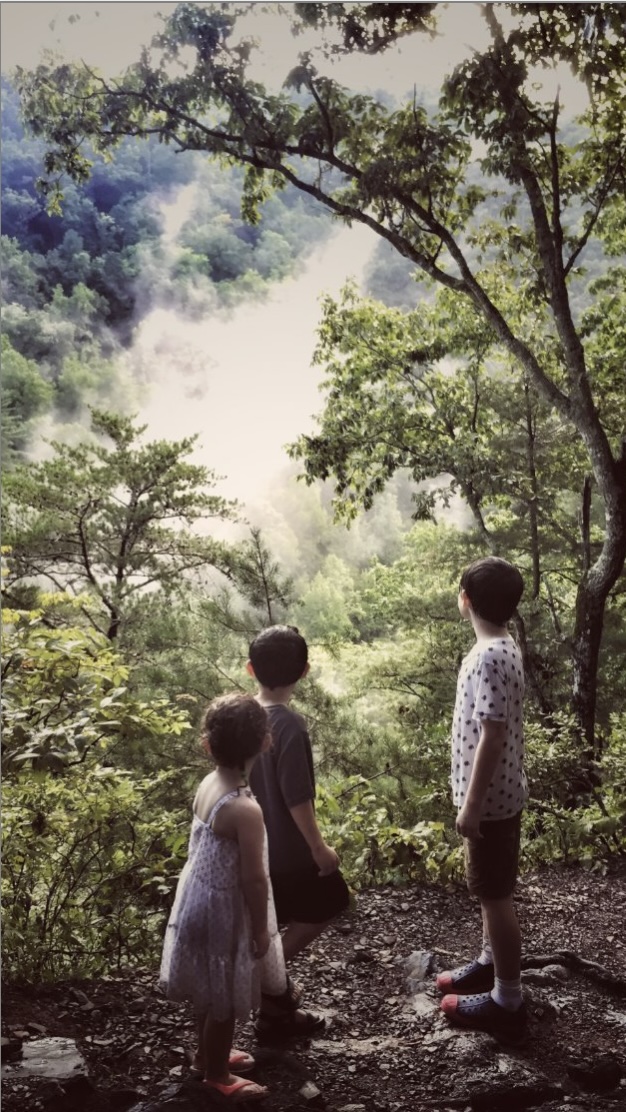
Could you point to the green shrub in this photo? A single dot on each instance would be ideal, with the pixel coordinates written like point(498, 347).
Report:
point(89, 858)
point(374, 849)
point(586, 825)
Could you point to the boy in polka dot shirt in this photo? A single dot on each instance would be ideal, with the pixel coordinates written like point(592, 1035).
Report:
point(489, 789)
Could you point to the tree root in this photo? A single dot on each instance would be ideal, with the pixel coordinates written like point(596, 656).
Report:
point(497, 1097)
point(611, 981)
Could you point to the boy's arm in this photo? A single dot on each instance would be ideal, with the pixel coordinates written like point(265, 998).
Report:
point(250, 835)
point(324, 856)
point(488, 753)
point(294, 774)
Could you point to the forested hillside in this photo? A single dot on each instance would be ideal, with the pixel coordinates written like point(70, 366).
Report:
point(76, 283)
point(473, 402)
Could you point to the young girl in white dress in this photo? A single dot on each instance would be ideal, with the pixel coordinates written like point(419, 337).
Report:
point(222, 944)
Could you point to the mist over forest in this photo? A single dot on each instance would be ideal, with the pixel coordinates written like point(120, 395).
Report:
point(462, 396)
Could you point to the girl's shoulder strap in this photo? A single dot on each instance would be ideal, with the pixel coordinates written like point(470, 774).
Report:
point(226, 799)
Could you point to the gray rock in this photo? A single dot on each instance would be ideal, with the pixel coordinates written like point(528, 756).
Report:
point(55, 1058)
point(79, 995)
point(507, 1083)
point(546, 976)
point(600, 1075)
point(483, 1075)
point(462, 1046)
point(517, 1097)
point(514, 1070)
point(559, 972)
point(310, 1091)
point(361, 954)
point(358, 1048)
point(417, 969)
point(424, 1005)
point(36, 1029)
point(11, 1048)
point(177, 1098)
point(75, 1094)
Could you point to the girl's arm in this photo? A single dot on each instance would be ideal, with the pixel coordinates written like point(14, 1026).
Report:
point(250, 835)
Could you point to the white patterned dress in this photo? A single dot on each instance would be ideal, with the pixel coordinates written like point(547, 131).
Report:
point(207, 951)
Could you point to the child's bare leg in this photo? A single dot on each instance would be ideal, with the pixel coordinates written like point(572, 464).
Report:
point(245, 1061)
point(500, 1011)
point(217, 1040)
point(197, 1061)
point(300, 935)
point(486, 954)
point(500, 919)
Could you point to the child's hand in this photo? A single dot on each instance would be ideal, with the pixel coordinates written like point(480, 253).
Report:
point(468, 823)
point(261, 944)
point(326, 859)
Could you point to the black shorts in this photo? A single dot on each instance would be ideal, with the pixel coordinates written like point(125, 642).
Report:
point(491, 862)
point(304, 896)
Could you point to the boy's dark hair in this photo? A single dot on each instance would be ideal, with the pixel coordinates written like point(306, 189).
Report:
point(494, 588)
point(235, 727)
point(279, 655)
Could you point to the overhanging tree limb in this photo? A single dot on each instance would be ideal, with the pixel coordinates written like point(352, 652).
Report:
point(404, 174)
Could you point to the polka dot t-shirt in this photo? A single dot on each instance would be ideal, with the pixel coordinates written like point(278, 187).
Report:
point(490, 685)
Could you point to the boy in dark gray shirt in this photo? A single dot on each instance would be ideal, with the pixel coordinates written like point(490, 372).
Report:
point(309, 890)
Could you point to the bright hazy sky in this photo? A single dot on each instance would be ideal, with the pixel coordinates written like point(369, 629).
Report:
point(255, 389)
point(262, 356)
point(109, 35)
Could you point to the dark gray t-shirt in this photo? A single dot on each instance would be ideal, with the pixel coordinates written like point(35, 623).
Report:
point(283, 778)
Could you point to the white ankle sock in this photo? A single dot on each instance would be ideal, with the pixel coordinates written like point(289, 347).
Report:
point(508, 994)
point(486, 956)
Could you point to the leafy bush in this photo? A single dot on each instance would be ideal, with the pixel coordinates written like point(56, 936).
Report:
point(586, 825)
point(88, 859)
point(401, 828)
point(65, 693)
point(96, 830)
point(376, 850)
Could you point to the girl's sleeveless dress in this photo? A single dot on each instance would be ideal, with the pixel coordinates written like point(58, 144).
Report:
point(207, 952)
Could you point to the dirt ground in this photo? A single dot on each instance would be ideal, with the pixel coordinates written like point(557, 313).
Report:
point(386, 1048)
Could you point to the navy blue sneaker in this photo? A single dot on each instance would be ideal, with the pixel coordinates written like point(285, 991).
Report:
point(481, 1013)
point(473, 977)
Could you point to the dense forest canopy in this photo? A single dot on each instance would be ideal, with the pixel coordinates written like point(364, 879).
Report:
point(404, 173)
point(75, 284)
point(473, 402)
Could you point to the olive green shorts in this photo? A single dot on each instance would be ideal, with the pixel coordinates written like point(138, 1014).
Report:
point(491, 861)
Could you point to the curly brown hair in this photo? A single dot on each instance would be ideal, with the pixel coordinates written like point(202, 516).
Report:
point(235, 727)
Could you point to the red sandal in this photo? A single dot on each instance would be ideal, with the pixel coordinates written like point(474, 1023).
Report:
point(239, 1062)
point(238, 1092)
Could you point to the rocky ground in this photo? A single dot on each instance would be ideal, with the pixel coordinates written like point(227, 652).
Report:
point(386, 1048)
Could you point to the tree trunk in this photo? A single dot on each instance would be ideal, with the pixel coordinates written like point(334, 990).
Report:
point(533, 502)
point(590, 607)
point(530, 670)
point(115, 622)
point(593, 591)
